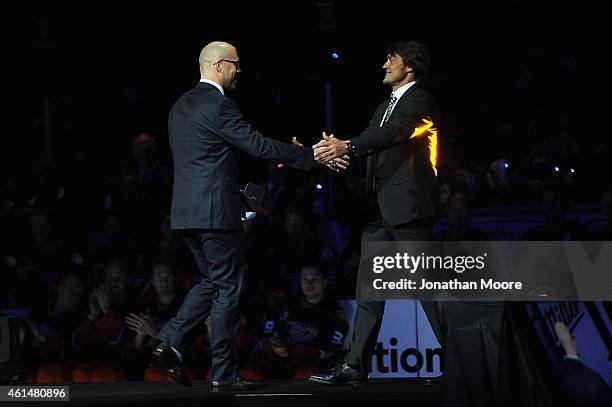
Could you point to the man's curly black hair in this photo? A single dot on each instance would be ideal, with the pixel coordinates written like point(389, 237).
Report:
point(414, 54)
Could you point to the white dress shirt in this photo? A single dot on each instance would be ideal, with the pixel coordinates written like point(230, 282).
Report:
point(399, 92)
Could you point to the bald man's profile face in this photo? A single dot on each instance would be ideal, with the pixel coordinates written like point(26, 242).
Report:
point(230, 68)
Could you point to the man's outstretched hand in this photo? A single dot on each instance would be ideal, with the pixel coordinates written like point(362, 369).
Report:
point(336, 164)
point(296, 142)
point(329, 149)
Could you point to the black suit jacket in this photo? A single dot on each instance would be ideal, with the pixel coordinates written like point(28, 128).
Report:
point(207, 133)
point(399, 170)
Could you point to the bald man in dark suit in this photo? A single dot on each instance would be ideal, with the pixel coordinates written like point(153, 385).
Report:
point(208, 134)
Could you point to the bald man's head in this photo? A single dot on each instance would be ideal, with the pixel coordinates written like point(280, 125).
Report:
point(219, 63)
point(214, 52)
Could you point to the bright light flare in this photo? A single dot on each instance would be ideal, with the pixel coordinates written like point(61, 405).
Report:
point(432, 135)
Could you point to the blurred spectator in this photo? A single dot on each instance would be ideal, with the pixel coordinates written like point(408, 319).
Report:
point(505, 185)
point(458, 214)
point(445, 191)
point(45, 250)
point(554, 277)
point(102, 335)
point(50, 325)
point(557, 148)
point(605, 232)
point(557, 227)
point(296, 245)
point(9, 216)
point(145, 191)
point(42, 190)
point(173, 247)
point(163, 297)
point(452, 149)
point(307, 335)
point(150, 182)
point(278, 190)
point(110, 241)
point(21, 282)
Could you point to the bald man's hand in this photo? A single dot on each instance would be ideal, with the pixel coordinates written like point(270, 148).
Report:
point(295, 142)
point(337, 164)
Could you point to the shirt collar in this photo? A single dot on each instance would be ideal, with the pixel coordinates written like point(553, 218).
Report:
point(402, 89)
point(215, 84)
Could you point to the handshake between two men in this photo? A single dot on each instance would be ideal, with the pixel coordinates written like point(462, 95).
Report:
point(330, 152)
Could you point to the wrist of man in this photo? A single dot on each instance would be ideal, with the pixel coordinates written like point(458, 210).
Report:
point(350, 149)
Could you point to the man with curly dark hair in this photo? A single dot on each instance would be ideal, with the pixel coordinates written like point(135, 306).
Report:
point(398, 149)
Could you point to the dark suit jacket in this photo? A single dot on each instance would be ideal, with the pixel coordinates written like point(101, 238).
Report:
point(207, 132)
point(400, 167)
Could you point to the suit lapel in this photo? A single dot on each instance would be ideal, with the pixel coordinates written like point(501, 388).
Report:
point(372, 159)
point(375, 160)
point(380, 112)
point(409, 91)
point(382, 108)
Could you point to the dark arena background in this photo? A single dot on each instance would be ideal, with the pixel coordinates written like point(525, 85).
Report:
point(90, 270)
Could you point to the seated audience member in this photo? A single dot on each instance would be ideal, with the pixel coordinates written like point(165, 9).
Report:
point(50, 326)
point(45, 249)
point(294, 246)
point(21, 285)
point(507, 186)
point(556, 227)
point(163, 297)
point(604, 233)
point(147, 190)
point(458, 228)
point(445, 191)
point(102, 335)
point(173, 247)
point(111, 241)
point(161, 304)
point(306, 336)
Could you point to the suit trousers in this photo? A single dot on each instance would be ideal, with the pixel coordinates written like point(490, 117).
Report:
point(218, 255)
point(369, 315)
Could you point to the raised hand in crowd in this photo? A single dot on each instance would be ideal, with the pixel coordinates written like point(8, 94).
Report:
point(141, 324)
point(103, 298)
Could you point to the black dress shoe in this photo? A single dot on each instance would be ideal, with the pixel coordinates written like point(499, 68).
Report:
point(165, 356)
point(341, 375)
point(238, 384)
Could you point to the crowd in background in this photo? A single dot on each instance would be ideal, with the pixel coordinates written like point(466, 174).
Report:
point(88, 253)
